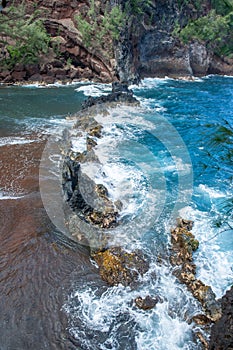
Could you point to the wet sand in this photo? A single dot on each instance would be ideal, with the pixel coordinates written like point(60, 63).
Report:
point(38, 265)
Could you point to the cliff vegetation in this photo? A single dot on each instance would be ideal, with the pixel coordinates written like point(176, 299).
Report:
point(23, 37)
point(215, 29)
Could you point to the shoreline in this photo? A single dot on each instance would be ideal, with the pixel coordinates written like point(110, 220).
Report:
point(63, 83)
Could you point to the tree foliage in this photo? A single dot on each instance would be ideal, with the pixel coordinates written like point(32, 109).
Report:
point(220, 152)
point(222, 7)
point(214, 29)
point(94, 26)
point(22, 37)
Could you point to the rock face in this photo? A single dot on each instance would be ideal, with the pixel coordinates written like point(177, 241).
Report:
point(222, 331)
point(92, 63)
point(148, 47)
point(183, 245)
point(118, 266)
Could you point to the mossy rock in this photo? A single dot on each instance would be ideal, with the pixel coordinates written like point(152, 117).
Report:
point(117, 266)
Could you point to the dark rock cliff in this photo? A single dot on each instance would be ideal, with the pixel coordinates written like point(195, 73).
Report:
point(148, 47)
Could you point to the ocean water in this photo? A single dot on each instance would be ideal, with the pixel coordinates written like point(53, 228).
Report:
point(159, 160)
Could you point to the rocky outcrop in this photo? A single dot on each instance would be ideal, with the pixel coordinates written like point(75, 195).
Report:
point(183, 245)
point(222, 331)
point(87, 199)
point(150, 49)
point(89, 207)
point(102, 212)
point(92, 214)
point(69, 58)
point(146, 303)
point(120, 93)
point(118, 266)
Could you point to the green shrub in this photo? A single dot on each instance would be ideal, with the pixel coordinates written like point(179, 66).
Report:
point(137, 7)
point(111, 23)
point(114, 21)
point(222, 7)
point(197, 4)
point(24, 37)
point(215, 30)
point(85, 28)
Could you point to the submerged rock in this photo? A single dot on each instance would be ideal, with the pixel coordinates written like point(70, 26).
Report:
point(146, 303)
point(117, 266)
point(183, 245)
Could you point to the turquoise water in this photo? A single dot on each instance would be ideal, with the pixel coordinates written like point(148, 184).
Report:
point(159, 160)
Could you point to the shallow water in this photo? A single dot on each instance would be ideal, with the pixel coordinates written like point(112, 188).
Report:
point(153, 156)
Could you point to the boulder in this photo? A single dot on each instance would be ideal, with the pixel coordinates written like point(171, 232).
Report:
point(199, 58)
point(117, 266)
point(18, 75)
point(146, 303)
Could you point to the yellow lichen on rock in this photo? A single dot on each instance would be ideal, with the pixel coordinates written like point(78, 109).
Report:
point(118, 266)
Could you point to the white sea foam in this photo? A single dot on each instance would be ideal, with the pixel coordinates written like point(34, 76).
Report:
point(79, 143)
point(149, 83)
point(95, 90)
point(124, 183)
point(14, 140)
point(149, 329)
point(9, 195)
point(213, 258)
point(57, 84)
point(125, 115)
point(179, 166)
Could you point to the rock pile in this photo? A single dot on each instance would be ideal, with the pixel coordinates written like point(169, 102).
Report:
point(183, 246)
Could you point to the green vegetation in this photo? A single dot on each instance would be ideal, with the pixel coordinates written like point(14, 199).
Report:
point(94, 26)
point(137, 7)
point(22, 38)
point(220, 160)
point(197, 4)
point(222, 7)
point(214, 29)
point(86, 29)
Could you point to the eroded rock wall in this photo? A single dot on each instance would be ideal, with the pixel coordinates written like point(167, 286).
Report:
point(149, 49)
point(68, 58)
